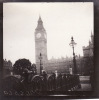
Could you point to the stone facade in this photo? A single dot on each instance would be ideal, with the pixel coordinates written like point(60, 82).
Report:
point(61, 65)
point(88, 53)
point(88, 50)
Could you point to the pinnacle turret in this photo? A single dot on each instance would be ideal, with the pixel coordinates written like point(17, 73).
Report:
point(40, 24)
point(40, 20)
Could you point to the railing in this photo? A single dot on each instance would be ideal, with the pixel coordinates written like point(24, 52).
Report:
point(39, 84)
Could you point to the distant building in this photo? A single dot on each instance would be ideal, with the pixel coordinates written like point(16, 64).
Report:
point(88, 50)
point(61, 65)
point(7, 67)
point(88, 56)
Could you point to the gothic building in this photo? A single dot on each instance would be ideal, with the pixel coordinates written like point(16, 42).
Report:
point(88, 50)
point(88, 53)
point(61, 65)
point(40, 44)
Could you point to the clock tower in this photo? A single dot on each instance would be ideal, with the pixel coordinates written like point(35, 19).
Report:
point(40, 45)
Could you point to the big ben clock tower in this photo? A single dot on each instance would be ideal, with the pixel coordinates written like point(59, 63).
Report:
point(40, 44)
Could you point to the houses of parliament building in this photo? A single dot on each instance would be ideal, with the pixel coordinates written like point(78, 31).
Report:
point(61, 65)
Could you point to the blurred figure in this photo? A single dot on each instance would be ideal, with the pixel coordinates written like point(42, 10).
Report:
point(26, 74)
point(44, 74)
point(56, 74)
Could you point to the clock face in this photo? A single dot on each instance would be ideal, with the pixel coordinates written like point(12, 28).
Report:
point(38, 35)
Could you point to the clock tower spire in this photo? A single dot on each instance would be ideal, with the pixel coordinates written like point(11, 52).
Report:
point(40, 44)
point(40, 24)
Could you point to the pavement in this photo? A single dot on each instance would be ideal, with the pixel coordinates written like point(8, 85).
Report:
point(85, 87)
point(85, 83)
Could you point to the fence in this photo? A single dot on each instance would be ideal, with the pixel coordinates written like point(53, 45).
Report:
point(13, 85)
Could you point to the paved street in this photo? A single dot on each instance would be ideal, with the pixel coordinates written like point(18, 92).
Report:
point(85, 87)
point(85, 83)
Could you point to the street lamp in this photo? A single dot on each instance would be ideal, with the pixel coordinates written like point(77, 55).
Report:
point(72, 44)
point(41, 64)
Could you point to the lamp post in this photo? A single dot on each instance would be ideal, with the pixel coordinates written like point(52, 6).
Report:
point(70, 68)
point(41, 64)
point(72, 44)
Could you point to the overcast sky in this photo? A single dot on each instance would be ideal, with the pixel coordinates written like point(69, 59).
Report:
point(60, 20)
